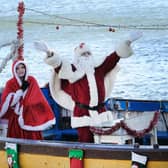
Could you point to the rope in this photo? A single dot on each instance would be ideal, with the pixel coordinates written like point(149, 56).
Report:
point(82, 23)
point(93, 24)
point(65, 18)
point(141, 27)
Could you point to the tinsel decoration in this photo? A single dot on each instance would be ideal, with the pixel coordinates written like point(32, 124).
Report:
point(141, 133)
point(21, 10)
point(16, 50)
point(123, 125)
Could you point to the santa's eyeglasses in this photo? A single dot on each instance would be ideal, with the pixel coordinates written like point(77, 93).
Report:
point(86, 53)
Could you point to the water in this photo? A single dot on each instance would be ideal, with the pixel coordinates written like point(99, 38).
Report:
point(142, 76)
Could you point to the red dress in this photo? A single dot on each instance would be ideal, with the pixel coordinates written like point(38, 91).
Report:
point(27, 112)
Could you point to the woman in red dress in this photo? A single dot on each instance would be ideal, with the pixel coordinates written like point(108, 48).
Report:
point(24, 106)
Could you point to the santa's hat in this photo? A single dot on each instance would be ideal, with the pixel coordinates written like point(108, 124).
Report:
point(79, 50)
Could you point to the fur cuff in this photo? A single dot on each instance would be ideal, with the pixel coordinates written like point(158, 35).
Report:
point(54, 60)
point(124, 49)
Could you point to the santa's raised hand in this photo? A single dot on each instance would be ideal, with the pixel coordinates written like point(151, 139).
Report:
point(42, 46)
point(135, 35)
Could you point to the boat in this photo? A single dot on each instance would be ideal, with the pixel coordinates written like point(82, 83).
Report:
point(55, 149)
point(127, 143)
point(56, 154)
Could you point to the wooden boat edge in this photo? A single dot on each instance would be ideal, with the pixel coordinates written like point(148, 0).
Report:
point(93, 151)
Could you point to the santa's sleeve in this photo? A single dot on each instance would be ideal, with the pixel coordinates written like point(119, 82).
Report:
point(60, 88)
point(123, 50)
point(63, 68)
point(110, 67)
point(61, 91)
point(53, 60)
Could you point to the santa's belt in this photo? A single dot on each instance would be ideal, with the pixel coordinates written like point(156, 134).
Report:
point(84, 106)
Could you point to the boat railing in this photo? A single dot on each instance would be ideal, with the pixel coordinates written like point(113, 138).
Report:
point(135, 108)
point(120, 108)
point(62, 130)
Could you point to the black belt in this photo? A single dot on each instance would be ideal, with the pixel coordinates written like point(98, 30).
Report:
point(84, 106)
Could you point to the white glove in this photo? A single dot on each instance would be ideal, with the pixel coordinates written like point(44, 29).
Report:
point(134, 36)
point(106, 116)
point(95, 121)
point(41, 46)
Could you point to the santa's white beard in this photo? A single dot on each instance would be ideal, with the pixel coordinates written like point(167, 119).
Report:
point(85, 64)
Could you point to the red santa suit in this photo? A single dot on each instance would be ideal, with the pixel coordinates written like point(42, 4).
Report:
point(84, 92)
point(27, 112)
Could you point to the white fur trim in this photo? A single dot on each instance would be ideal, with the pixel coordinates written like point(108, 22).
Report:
point(139, 158)
point(61, 97)
point(96, 119)
point(66, 72)
point(17, 97)
point(19, 107)
point(93, 113)
point(102, 119)
point(92, 89)
point(36, 128)
point(12, 146)
point(110, 80)
point(6, 104)
point(15, 74)
point(106, 116)
point(54, 60)
point(124, 49)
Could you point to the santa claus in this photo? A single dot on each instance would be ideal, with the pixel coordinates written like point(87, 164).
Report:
point(83, 86)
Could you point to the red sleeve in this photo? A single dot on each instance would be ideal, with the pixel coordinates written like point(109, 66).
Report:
point(109, 63)
point(9, 88)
